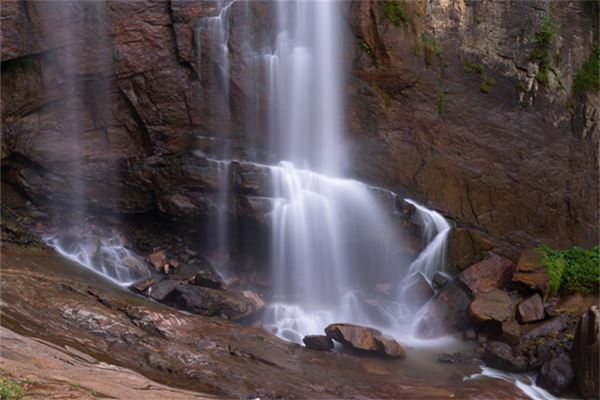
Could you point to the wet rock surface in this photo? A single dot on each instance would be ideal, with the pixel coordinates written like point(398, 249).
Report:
point(318, 342)
point(365, 339)
point(205, 355)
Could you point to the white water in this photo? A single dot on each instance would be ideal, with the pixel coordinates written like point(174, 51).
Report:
point(525, 382)
point(107, 257)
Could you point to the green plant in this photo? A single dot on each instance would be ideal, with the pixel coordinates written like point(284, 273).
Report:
point(470, 66)
point(572, 270)
point(588, 76)
point(10, 389)
point(395, 13)
point(431, 48)
point(367, 49)
point(543, 42)
point(441, 102)
point(487, 84)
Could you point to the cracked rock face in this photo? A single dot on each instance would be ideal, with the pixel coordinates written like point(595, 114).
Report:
point(445, 105)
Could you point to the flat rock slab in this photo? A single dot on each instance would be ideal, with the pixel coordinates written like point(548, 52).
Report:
point(495, 305)
point(531, 309)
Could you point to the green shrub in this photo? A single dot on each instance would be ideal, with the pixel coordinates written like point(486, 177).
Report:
point(431, 48)
point(487, 84)
point(10, 389)
point(395, 13)
point(572, 270)
point(441, 102)
point(587, 78)
point(470, 66)
point(543, 42)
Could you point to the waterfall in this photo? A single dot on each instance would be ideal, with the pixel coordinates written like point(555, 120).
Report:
point(84, 59)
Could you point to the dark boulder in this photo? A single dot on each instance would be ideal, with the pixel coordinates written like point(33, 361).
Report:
point(214, 302)
point(500, 355)
point(586, 353)
point(162, 290)
point(446, 313)
point(556, 375)
point(440, 280)
point(553, 326)
point(318, 342)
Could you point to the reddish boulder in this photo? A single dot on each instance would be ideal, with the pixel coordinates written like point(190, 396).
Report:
point(492, 272)
point(530, 272)
point(531, 309)
point(494, 305)
point(365, 338)
point(586, 353)
point(158, 259)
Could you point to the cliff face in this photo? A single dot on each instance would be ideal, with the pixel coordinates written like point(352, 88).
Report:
point(462, 104)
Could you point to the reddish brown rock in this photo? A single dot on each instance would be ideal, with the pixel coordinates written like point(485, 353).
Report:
point(586, 353)
point(492, 272)
point(501, 356)
point(494, 305)
point(365, 338)
point(143, 285)
point(466, 247)
point(530, 272)
point(531, 309)
point(158, 259)
point(511, 332)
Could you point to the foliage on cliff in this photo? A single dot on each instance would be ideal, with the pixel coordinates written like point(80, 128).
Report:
point(588, 76)
point(572, 270)
point(543, 42)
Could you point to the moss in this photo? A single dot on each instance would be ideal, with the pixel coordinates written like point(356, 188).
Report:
point(587, 77)
point(367, 49)
point(543, 42)
point(10, 389)
point(487, 84)
point(395, 12)
point(441, 102)
point(470, 66)
point(572, 270)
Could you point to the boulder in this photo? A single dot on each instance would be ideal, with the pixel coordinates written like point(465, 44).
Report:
point(494, 271)
point(586, 353)
point(446, 313)
point(143, 285)
point(553, 326)
point(389, 347)
point(162, 290)
point(355, 336)
point(494, 305)
point(530, 272)
point(556, 375)
point(197, 275)
point(511, 332)
point(214, 302)
point(318, 342)
point(466, 247)
point(158, 259)
point(365, 339)
point(500, 355)
point(531, 309)
point(440, 280)
point(416, 290)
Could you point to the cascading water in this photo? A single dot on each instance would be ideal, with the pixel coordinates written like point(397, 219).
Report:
point(85, 72)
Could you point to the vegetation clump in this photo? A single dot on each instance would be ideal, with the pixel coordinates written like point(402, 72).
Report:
point(431, 48)
point(487, 84)
point(395, 12)
point(572, 270)
point(471, 66)
point(588, 76)
point(543, 42)
point(10, 389)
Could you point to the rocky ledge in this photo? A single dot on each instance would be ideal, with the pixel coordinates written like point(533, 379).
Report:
point(49, 298)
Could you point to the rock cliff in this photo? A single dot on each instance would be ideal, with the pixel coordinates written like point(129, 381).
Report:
point(467, 105)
